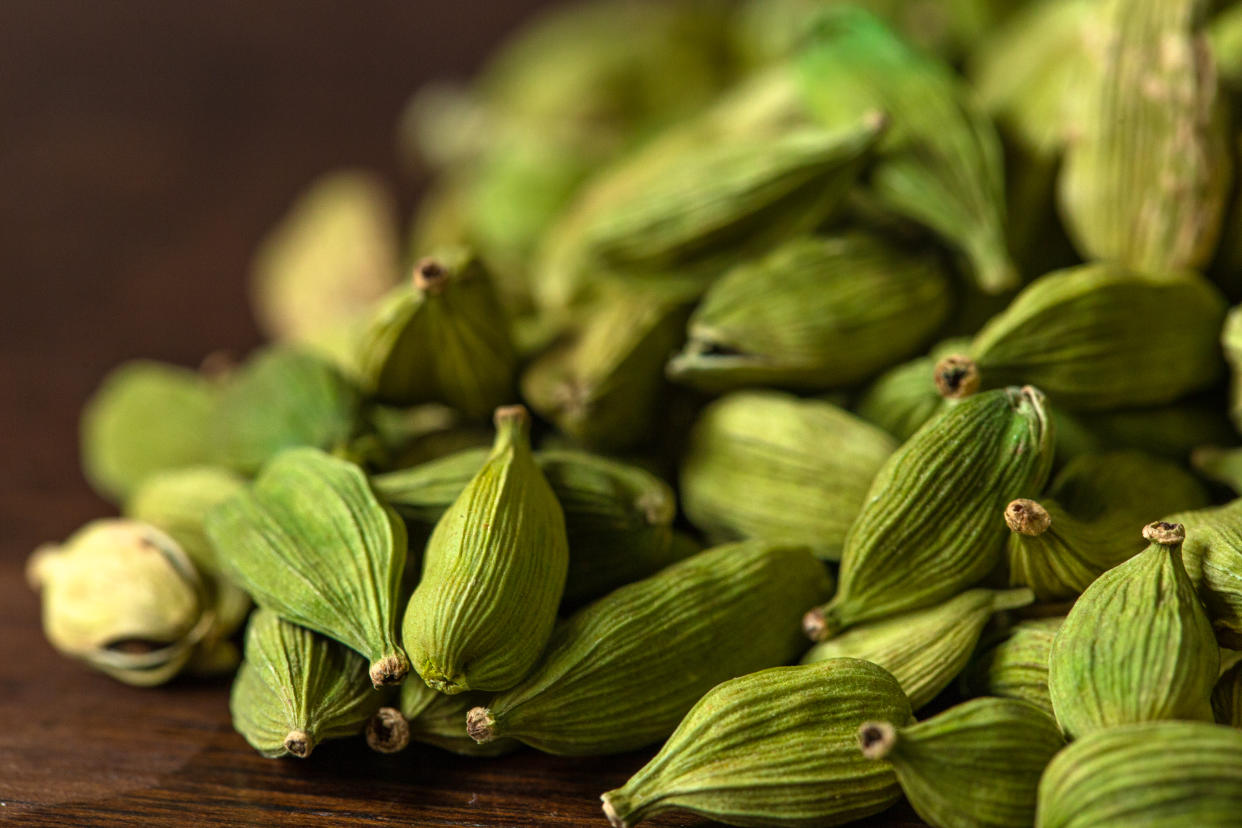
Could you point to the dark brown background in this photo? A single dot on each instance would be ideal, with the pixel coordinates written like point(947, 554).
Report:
point(145, 146)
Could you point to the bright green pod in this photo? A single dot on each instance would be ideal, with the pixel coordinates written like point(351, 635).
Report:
point(927, 648)
point(939, 163)
point(1088, 336)
point(929, 526)
point(493, 573)
point(1084, 525)
point(1145, 178)
point(1017, 668)
point(1150, 774)
point(763, 464)
point(1213, 559)
point(280, 399)
point(774, 748)
point(1159, 659)
point(603, 688)
point(145, 417)
point(436, 719)
point(976, 765)
point(442, 338)
point(904, 398)
point(311, 542)
point(1227, 694)
point(816, 312)
point(297, 689)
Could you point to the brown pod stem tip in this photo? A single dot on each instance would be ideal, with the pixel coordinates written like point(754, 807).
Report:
point(815, 625)
point(430, 276)
point(1165, 534)
point(1026, 517)
point(876, 739)
point(957, 376)
point(299, 744)
point(388, 731)
point(516, 414)
point(390, 669)
point(480, 725)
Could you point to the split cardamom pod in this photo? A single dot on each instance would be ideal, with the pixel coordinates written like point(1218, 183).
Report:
point(774, 748)
point(603, 688)
point(440, 720)
point(927, 648)
point(929, 528)
point(310, 541)
point(1017, 667)
point(978, 763)
point(1159, 659)
point(1213, 557)
point(493, 573)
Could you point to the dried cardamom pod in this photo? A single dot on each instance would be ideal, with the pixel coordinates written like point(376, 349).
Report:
point(1159, 659)
point(762, 464)
point(1213, 558)
point(1148, 773)
point(311, 542)
point(297, 689)
point(928, 528)
point(124, 598)
point(978, 763)
point(603, 688)
point(1017, 668)
point(816, 312)
point(387, 731)
point(436, 719)
point(145, 417)
point(1084, 525)
point(1227, 695)
point(1088, 335)
point(493, 573)
point(327, 261)
point(927, 648)
point(904, 398)
point(776, 748)
point(1148, 168)
point(442, 338)
point(939, 163)
point(282, 398)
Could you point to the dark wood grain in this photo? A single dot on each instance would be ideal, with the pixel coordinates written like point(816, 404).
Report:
point(145, 146)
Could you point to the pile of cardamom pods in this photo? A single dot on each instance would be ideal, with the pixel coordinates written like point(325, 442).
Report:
point(919, 309)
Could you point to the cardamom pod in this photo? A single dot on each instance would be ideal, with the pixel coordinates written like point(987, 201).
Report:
point(927, 648)
point(1227, 694)
point(311, 542)
point(296, 689)
point(977, 763)
point(928, 528)
point(421, 433)
point(603, 688)
point(1017, 667)
point(145, 417)
point(1147, 172)
point(1224, 33)
point(904, 398)
point(493, 573)
point(1219, 465)
point(1085, 336)
point(1084, 525)
point(816, 312)
point(1169, 431)
point(1231, 344)
point(436, 719)
point(1213, 558)
point(762, 464)
point(1159, 659)
point(441, 338)
point(774, 748)
point(1148, 773)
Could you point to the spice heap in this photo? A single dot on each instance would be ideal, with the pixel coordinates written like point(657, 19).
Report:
point(921, 311)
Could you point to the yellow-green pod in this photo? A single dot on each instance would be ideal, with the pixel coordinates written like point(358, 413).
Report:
point(434, 718)
point(493, 573)
point(774, 748)
point(1017, 668)
point(1224, 33)
point(1159, 658)
point(1213, 557)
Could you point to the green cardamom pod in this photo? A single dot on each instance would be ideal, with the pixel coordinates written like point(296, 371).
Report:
point(927, 648)
point(1224, 33)
point(145, 417)
point(493, 573)
point(311, 542)
point(1169, 431)
point(1088, 336)
point(296, 689)
point(421, 433)
point(1159, 659)
point(279, 399)
point(1219, 465)
point(762, 464)
point(816, 312)
point(124, 598)
point(1148, 169)
point(1017, 667)
point(603, 688)
point(774, 748)
point(442, 338)
point(1213, 557)
point(928, 528)
point(1227, 694)
point(434, 718)
point(1149, 773)
point(904, 398)
point(1084, 525)
point(978, 763)
point(1231, 343)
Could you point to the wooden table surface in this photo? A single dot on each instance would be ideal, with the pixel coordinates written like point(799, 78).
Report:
point(145, 146)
